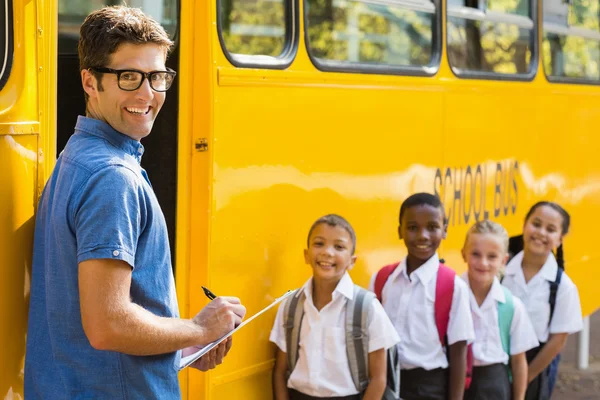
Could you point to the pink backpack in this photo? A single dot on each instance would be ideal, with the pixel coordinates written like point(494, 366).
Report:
point(444, 290)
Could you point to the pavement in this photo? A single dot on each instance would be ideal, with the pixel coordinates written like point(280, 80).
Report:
point(575, 384)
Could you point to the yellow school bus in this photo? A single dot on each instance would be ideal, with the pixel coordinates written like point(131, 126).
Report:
point(285, 110)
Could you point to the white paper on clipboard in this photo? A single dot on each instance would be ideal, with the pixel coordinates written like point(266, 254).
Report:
point(188, 360)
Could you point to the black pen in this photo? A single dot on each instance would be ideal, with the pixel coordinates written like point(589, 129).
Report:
point(209, 294)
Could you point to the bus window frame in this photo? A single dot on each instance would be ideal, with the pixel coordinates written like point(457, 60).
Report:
point(495, 76)
point(566, 80)
point(174, 38)
point(6, 61)
point(429, 70)
point(290, 48)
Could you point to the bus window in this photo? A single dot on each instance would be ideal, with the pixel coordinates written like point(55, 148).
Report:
point(6, 42)
point(491, 38)
point(571, 45)
point(259, 33)
point(71, 14)
point(378, 36)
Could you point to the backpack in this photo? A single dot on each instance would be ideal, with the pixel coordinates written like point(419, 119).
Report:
point(506, 312)
point(358, 318)
point(515, 246)
point(444, 290)
point(553, 291)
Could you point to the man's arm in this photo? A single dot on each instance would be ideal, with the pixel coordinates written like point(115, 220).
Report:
point(111, 321)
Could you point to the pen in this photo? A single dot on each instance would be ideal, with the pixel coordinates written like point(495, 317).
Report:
point(208, 293)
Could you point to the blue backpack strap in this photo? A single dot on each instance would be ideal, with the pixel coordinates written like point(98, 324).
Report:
point(294, 312)
point(553, 291)
point(357, 336)
point(506, 312)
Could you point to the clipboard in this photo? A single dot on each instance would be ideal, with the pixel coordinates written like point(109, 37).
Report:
point(188, 360)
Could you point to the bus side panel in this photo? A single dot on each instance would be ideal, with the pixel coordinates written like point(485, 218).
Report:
point(531, 141)
point(19, 149)
point(194, 168)
point(489, 134)
point(18, 180)
point(286, 154)
point(27, 137)
point(569, 173)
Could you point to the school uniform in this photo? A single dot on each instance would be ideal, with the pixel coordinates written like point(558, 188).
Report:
point(322, 369)
point(490, 380)
point(535, 295)
point(409, 302)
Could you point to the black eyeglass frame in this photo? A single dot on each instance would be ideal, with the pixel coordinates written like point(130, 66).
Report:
point(145, 75)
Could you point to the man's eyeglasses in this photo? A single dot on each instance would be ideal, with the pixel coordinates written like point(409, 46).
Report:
point(132, 79)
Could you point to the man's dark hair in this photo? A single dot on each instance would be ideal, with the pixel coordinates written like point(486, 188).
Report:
point(104, 30)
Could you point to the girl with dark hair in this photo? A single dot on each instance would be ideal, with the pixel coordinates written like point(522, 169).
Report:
point(537, 277)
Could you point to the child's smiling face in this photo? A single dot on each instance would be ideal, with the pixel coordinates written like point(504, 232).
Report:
point(542, 232)
point(485, 254)
point(329, 252)
point(422, 228)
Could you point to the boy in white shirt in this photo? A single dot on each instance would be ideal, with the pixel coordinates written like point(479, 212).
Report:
point(432, 354)
point(503, 331)
point(322, 366)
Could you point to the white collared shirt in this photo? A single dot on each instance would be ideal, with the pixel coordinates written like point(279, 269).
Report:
point(487, 347)
point(536, 293)
point(410, 305)
point(322, 369)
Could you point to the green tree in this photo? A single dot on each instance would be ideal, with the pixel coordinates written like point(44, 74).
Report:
point(570, 55)
point(253, 27)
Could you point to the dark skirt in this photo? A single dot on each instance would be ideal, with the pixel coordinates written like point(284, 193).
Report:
point(296, 395)
point(539, 388)
point(490, 383)
point(420, 384)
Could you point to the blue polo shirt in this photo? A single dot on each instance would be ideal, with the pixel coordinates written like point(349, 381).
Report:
point(98, 204)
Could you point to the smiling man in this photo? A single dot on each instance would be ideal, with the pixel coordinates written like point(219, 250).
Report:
point(103, 318)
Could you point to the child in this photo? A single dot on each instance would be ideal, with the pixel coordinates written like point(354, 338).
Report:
point(428, 305)
point(317, 341)
point(549, 295)
point(502, 328)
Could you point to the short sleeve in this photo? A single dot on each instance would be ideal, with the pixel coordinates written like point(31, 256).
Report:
point(382, 334)
point(372, 283)
point(460, 326)
point(278, 332)
point(567, 312)
point(522, 333)
point(109, 216)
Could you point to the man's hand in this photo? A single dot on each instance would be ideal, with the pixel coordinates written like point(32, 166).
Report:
point(219, 317)
point(211, 359)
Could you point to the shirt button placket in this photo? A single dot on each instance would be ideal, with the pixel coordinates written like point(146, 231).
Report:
point(315, 370)
point(403, 305)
